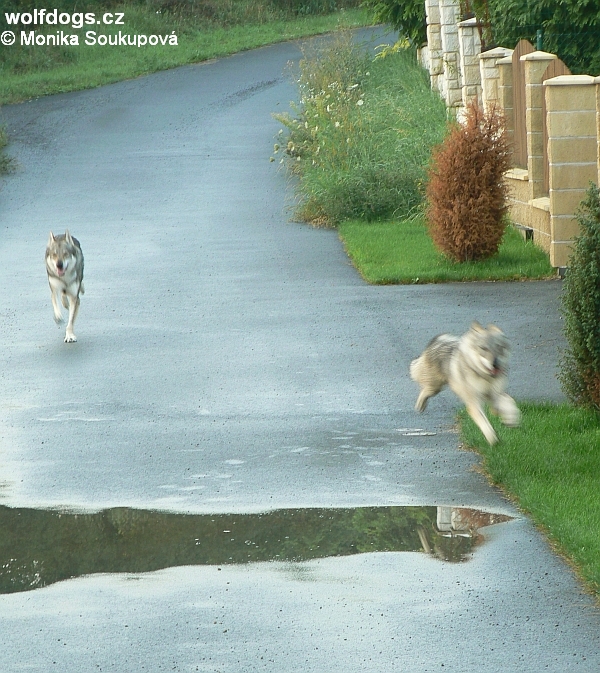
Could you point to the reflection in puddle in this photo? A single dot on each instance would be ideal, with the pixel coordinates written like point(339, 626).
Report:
point(40, 547)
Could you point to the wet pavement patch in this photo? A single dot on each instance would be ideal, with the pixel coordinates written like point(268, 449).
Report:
point(40, 547)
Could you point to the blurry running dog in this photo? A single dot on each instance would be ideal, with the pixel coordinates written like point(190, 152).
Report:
point(64, 264)
point(475, 367)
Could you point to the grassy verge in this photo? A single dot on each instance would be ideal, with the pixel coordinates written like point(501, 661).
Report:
point(402, 252)
point(28, 72)
point(550, 467)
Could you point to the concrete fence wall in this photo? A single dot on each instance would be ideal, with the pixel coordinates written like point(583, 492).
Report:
point(570, 126)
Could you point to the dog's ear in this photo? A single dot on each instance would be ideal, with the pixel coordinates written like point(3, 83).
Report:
point(68, 237)
point(476, 327)
point(493, 328)
point(51, 239)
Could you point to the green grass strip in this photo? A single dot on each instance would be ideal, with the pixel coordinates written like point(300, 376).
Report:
point(92, 66)
point(550, 467)
point(402, 252)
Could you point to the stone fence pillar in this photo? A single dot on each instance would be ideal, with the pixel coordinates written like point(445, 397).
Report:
point(451, 80)
point(469, 44)
point(434, 43)
point(505, 93)
point(573, 155)
point(535, 65)
point(489, 73)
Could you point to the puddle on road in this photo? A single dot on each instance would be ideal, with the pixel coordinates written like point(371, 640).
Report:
point(40, 547)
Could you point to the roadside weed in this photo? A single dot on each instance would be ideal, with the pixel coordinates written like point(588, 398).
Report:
point(361, 136)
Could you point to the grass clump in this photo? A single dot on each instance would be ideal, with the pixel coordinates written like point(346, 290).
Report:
point(580, 366)
point(550, 467)
point(7, 163)
point(402, 252)
point(361, 137)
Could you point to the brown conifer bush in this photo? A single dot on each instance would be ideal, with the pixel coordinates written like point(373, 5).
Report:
point(466, 191)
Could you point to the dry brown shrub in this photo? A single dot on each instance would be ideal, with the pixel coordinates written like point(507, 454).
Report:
point(466, 191)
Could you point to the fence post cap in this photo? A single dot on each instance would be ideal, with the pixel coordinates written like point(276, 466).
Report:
point(469, 23)
point(570, 80)
point(496, 52)
point(538, 56)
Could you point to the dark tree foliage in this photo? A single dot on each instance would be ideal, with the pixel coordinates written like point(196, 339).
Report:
point(580, 365)
point(571, 28)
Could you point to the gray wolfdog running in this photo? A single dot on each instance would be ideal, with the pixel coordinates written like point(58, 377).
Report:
point(475, 367)
point(64, 264)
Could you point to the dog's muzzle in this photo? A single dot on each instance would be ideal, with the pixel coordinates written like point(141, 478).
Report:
point(496, 368)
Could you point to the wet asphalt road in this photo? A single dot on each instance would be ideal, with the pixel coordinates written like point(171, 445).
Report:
point(232, 361)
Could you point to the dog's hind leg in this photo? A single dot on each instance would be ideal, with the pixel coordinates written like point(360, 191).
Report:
point(429, 385)
point(73, 310)
point(477, 414)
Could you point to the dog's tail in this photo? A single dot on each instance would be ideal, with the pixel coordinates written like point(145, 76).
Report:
point(416, 367)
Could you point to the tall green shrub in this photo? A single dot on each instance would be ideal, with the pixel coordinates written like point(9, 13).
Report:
point(580, 365)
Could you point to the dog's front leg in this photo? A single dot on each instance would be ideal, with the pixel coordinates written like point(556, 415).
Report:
point(58, 318)
point(477, 414)
point(73, 310)
point(508, 410)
